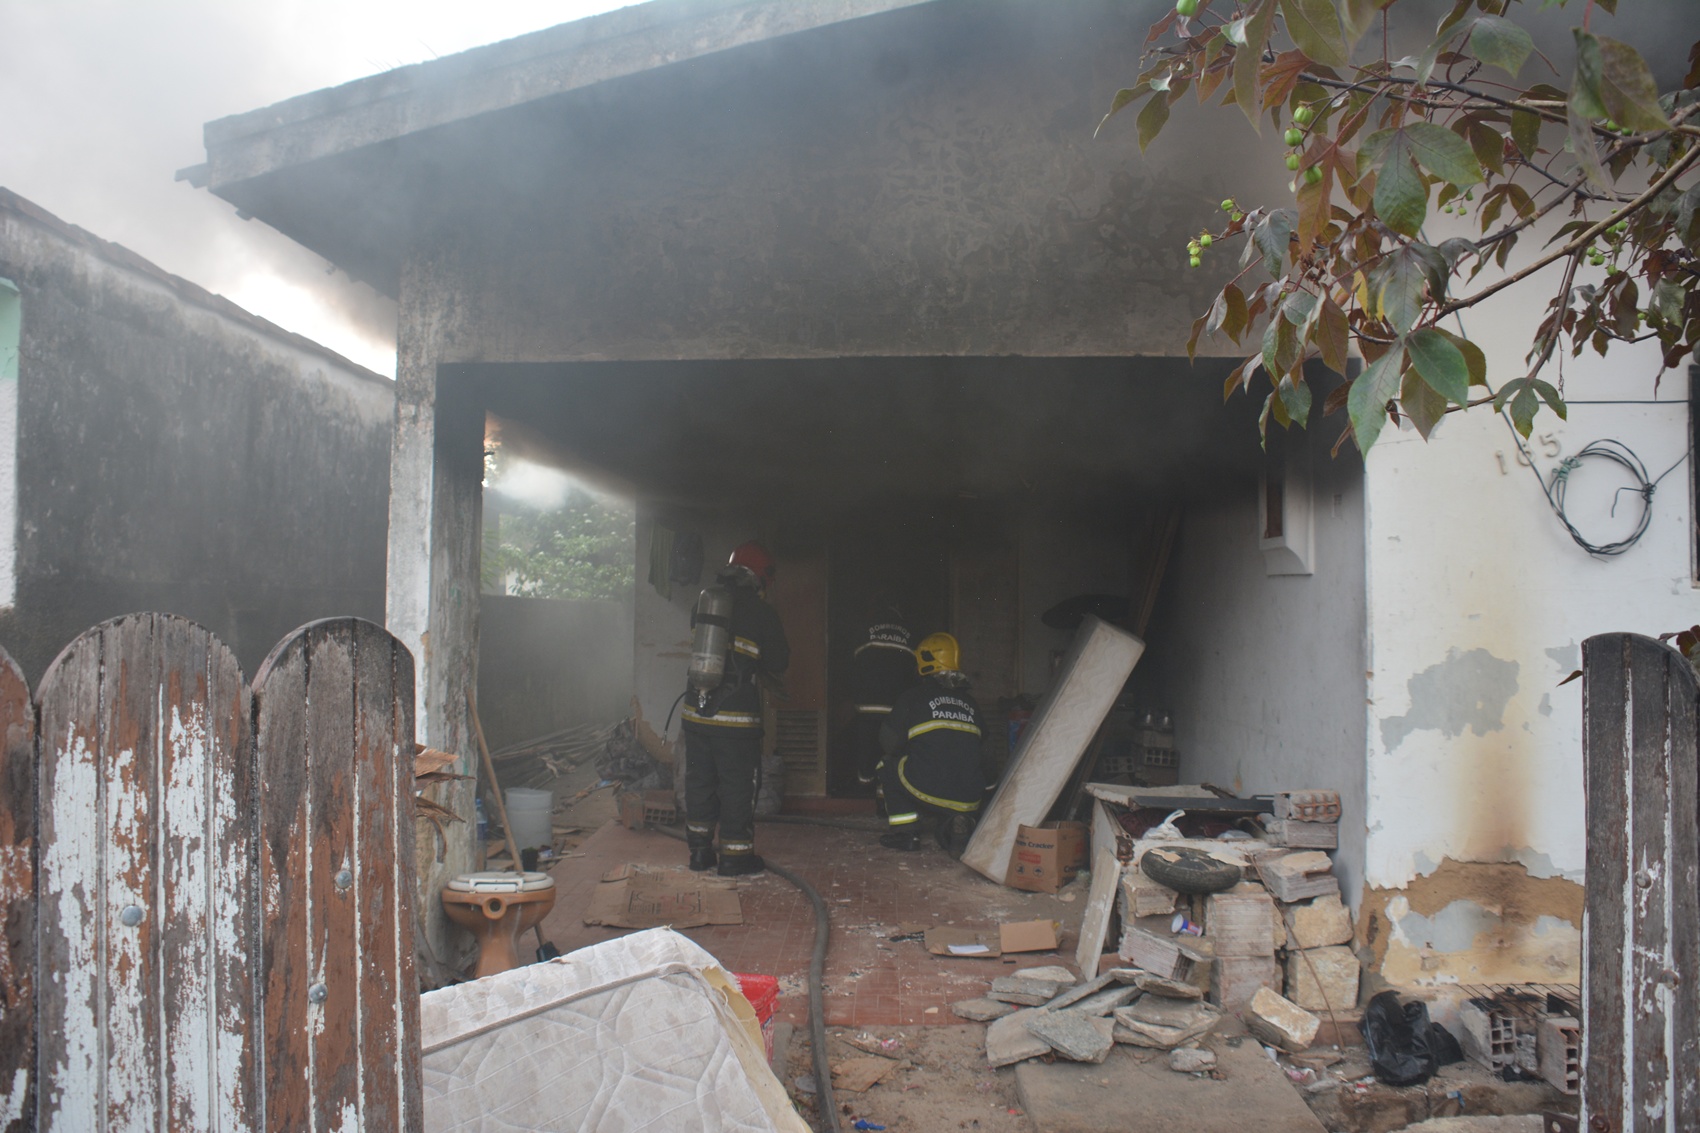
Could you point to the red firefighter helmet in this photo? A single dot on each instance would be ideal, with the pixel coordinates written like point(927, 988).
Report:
point(756, 559)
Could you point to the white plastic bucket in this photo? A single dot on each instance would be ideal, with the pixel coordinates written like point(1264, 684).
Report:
point(530, 812)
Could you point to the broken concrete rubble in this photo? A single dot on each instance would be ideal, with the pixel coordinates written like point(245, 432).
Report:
point(1009, 1041)
point(1030, 990)
point(1164, 1023)
point(981, 1010)
point(1279, 1021)
point(1192, 1060)
point(1106, 1001)
point(1295, 877)
point(1074, 1034)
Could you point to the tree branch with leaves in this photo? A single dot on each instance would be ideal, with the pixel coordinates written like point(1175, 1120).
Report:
point(1375, 144)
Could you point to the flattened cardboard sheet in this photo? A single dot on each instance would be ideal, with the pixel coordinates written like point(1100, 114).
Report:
point(636, 898)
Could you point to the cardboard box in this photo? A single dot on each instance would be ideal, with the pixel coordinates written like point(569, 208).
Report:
point(988, 943)
point(1046, 857)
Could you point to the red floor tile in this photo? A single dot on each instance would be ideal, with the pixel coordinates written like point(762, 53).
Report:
point(870, 892)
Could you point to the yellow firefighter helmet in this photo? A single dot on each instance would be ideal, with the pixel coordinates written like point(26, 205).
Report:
point(937, 652)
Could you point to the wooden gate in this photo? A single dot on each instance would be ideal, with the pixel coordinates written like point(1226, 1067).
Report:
point(207, 928)
point(1641, 924)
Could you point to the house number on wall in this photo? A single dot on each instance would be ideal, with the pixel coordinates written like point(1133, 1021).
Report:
point(1548, 443)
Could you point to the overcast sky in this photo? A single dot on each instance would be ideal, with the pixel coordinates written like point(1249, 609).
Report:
point(102, 101)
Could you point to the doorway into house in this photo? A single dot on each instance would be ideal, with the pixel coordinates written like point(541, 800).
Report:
point(885, 563)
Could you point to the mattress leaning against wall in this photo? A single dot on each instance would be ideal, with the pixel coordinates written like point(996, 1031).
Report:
point(646, 1032)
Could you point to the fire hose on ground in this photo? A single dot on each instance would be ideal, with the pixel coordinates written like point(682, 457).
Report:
point(817, 996)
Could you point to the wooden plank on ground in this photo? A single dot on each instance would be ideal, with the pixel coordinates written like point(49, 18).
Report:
point(17, 899)
point(1087, 684)
point(1101, 895)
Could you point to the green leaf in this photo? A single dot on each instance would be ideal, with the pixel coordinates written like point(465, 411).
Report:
point(1315, 28)
point(1272, 238)
point(1526, 132)
point(1248, 58)
point(1356, 17)
point(1488, 145)
point(1400, 282)
point(1500, 43)
point(1234, 319)
point(1333, 335)
point(1151, 119)
point(1585, 95)
point(1421, 404)
point(1124, 97)
point(1440, 364)
point(1474, 360)
point(1296, 399)
point(1582, 143)
point(1366, 404)
point(1550, 396)
point(1523, 408)
point(1618, 78)
point(1401, 196)
point(1666, 300)
point(1443, 153)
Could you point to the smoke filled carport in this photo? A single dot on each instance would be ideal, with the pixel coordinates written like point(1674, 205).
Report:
point(850, 277)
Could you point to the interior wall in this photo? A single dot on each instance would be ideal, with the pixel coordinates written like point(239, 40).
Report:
point(545, 664)
point(1065, 550)
point(1264, 675)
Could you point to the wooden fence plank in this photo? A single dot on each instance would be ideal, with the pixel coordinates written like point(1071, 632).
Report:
point(384, 878)
point(1642, 911)
point(147, 891)
point(280, 738)
point(71, 924)
point(334, 716)
point(17, 899)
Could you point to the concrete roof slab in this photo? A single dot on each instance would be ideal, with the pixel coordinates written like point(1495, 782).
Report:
point(409, 100)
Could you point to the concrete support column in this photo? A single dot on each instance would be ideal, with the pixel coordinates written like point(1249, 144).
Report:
point(436, 478)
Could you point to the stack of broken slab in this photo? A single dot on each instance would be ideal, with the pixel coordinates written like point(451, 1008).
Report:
point(1040, 1011)
point(1274, 949)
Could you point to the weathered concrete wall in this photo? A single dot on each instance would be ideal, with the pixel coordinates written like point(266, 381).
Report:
point(922, 182)
point(1265, 674)
point(177, 454)
point(1065, 550)
point(1479, 601)
point(546, 664)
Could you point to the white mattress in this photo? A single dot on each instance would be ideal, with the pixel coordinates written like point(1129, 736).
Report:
point(646, 1032)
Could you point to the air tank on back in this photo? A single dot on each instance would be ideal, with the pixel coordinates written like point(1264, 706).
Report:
point(711, 642)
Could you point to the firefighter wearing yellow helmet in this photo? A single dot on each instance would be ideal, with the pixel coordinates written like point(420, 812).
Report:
point(932, 741)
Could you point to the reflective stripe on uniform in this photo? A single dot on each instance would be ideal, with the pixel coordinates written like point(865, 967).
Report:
point(902, 819)
point(935, 725)
point(695, 829)
point(735, 848)
point(883, 645)
point(873, 708)
point(948, 804)
point(747, 647)
point(725, 719)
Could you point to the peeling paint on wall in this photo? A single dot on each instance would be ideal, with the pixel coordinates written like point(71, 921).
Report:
point(1475, 922)
point(1465, 691)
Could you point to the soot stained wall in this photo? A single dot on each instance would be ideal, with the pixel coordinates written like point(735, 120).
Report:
point(176, 454)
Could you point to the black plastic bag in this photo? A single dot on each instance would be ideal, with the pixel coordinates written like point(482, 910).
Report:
point(1400, 1040)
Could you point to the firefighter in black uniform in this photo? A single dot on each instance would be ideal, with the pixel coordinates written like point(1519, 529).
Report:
point(882, 670)
point(723, 737)
point(932, 744)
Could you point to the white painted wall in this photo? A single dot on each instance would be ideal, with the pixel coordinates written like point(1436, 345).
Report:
point(1264, 674)
point(1479, 602)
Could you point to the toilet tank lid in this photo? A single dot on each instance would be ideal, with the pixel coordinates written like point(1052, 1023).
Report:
point(501, 881)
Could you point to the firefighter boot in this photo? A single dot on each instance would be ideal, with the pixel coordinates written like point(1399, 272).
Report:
point(741, 865)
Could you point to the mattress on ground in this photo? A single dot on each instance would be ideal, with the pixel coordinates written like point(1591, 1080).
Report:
point(646, 1032)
